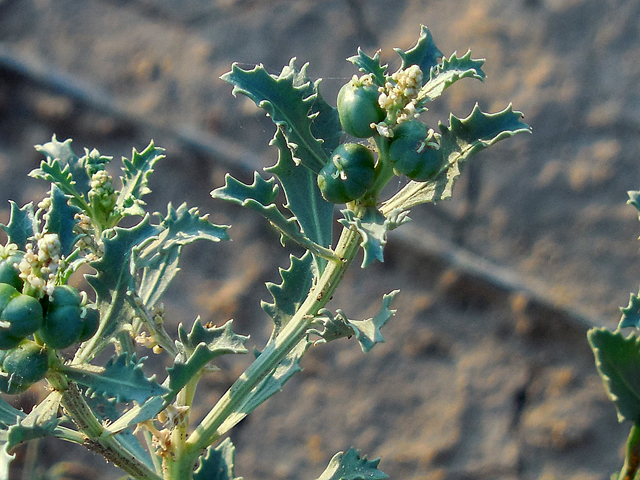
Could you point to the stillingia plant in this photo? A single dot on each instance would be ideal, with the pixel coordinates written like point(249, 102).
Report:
point(327, 156)
point(618, 362)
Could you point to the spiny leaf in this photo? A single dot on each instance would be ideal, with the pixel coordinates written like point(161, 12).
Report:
point(136, 179)
point(462, 139)
point(370, 65)
point(618, 363)
point(447, 73)
point(9, 415)
point(159, 257)
point(61, 219)
point(634, 198)
point(41, 422)
point(201, 346)
point(367, 332)
point(113, 279)
point(312, 212)
point(631, 313)
point(288, 104)
point(270, 385)
point(122, 379)
point(373, 228)
point(217, 463)
point(297, 280)
point(21, 226)
point(62, 167)
point(350, 466)
point(424, 53)
point(258, 196)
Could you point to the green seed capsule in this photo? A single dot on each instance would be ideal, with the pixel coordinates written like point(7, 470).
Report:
point(409, 153)
point(90, 324)
point(62, 325)
point(24, 313)
point(348, 175)
point(24, 365)
point(9, 273)
point(358, 108)
point(7, 293)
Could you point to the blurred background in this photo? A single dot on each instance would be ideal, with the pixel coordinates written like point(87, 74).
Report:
point(486, 372)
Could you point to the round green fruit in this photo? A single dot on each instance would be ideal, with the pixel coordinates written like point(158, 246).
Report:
point(358, 108)
point(7, 293)
point(90, 324)
point(409, 154)
point(348, 175)
point(61, 327)
point(24, 313)
point(24, 365)
point(9, 273)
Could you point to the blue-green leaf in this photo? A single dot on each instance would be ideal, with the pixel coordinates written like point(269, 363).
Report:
point(136, 179)
point(217, 463)
point(373, 228)
point(21, 226)
point(631, 313)
point(258, 196)
point(634, 198)
point(122, 378)
point(618, 363)
point(458, 142)
point(61, 219)
point(113, 279)
point(313, 213)
point(62, 167)
point(9, 415)
point(349, 466)
point(159, 257)
point(447, 73)
point(297, 280)
point(424, 53)
point(288, 104)
point(41, 422)
point(366, 64)
point(201, 346)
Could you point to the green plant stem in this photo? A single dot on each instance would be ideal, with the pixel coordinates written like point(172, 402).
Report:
point(632, 457)
point(293, 332)
point(108, 446)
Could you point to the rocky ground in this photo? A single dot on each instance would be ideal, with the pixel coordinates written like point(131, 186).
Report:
point(486, 372)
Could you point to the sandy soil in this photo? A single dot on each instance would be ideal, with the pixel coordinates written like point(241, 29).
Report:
point(477, 379)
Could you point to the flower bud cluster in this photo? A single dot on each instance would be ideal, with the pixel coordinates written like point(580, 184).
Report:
point(8, 250)
point(38, 267)
point(102, 192)
point(399, 96)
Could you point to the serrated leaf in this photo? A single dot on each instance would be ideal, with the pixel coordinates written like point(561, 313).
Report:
point(312, 212)
point(217, 463)
point(21, 226)
point(258, 196)
point(289, 106)
point(297, 280)
point(62, 167)
point(271, 384)
point(618, 363)
point(122, 378)
point(373, 228)
point(447, 73)
point(349, 466)
point(159, 258)
point(9, 415)
point(136, 179)
point(367, 332)
point(61, 219)
point(113, 279)
point(367, 64)
point(461, 140)
point(424, 53)
point(631, 313)
point(41, 422)
point(634, 198)
point(202, 345)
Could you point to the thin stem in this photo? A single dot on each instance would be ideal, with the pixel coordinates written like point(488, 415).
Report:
point(107, 446)
point(294, 331)
point(632, 457)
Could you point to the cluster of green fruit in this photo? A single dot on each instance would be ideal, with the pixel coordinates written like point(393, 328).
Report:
point(351, 170)
point(56, 321)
